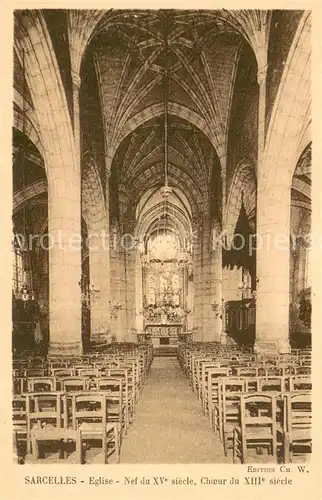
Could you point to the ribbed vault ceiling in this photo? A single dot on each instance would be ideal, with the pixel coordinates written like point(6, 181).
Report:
point(140, 159)
point(131, 50)
point(301, 185)
point(129, 53)
point(155, 215)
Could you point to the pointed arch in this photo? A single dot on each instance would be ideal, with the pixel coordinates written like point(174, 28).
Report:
point(244, 181)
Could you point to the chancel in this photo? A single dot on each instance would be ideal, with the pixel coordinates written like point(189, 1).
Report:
point(161, 236)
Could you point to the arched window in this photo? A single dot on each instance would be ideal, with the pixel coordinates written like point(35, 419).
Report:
point(22, 282)
point(164, 246)
point(17, 265)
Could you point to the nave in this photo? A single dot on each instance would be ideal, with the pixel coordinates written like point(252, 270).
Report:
point(162, 173)
point(169, 424)
point(210, 404)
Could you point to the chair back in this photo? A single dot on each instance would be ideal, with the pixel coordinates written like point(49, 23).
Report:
point(214, 373)
point(89, 407)
point(43, 407)
point(303, 370)
point(74, 384)
point(19, 414)
point(300, 383)
point(297, 411)
point(88, 372)
point(231, 385)
point(230, 391)
point(35, 372)
point(258, 413)
point(41, 384)
point(246, 371)
point(62, 372)
point(276, 384)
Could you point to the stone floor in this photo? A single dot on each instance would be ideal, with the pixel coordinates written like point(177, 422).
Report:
point(169, 426)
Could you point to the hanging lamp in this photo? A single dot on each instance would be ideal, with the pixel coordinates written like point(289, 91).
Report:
point(166, 190)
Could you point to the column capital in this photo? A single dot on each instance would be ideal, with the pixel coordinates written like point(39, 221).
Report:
point(261, 74)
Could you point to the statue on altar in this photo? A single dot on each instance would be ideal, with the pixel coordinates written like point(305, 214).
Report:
point(163, 299)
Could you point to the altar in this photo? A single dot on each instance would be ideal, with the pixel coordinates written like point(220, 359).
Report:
point(161, 334)
point(165, 274)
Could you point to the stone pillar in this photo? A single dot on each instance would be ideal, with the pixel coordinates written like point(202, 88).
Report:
point(76, 82)
point(216, 292)
point(99, 261)
point(273, 267)
point(197, 279)
point(130, 252)
point(115, 290)
point(100, 277)
point(189, 298)
point(139, 325)
point(261, 78)
point(123, 313)
point(205, 288)
point(64, 227)
point(207, 285)
point(124, 271)
point(273, 245)
point(223, 163)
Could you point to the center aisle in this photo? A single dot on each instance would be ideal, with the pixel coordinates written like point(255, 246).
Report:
point(169, 426)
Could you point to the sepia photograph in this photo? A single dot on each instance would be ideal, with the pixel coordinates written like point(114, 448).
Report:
point(162, 238)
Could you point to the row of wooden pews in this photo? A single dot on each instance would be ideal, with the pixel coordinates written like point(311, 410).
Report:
point(253, 402)
point(77, 408)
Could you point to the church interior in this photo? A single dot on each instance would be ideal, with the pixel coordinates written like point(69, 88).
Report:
point(161, 236)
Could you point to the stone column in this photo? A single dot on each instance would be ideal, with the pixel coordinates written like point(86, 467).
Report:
point(64, 227)
point(273, 267)
point(138, 293)
point(203, 314)
point(190, 301)
point(99, 261)
point(125, 266)
point(207, 285)
point(100, 277)
point(197, 279)
point(130, 252)
point(76, 82)
point(216, 292)
point(223, 173)
point(261, 78)
point(115, 289)
point(273, 245)
point(64, 266)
